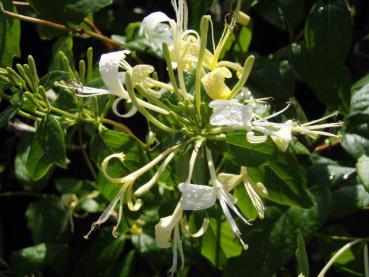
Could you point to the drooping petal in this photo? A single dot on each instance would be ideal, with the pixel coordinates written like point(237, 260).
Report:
point(214, 83)
point(109, 67)
point(283, 136)
point(197, 197)
point(130, 113)
point(164, 229)
point(230, 113)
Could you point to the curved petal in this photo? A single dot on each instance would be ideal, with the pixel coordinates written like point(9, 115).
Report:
point(130, 113)
point(214, 83)
point(109, 66)
point(197, 197)
point(163, 230)
point(150, 22)
point(252, 138)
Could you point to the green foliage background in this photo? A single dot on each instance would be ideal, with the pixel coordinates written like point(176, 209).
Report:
point(313, 53)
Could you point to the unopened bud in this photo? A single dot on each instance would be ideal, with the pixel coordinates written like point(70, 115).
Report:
point(242, 18)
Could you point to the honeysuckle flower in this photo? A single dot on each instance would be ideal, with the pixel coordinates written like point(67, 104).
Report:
point(109, 66)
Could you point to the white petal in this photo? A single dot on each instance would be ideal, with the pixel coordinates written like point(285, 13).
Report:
point(230, 113)
point(109, 66)
point(283, 136)
point(130, 113)
point(150, 22)
point(197, 197)
point(252, 138)
point(163, 230)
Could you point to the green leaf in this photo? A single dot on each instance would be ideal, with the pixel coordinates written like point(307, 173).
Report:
point(198, 9)
point(272, 78)
point(67, 11)
point(301, 256)
point(65, 45)
point(7, 115)
point(47, 220)
point(356, 136)
point(283, 14)
point(51, 137)
point(20, 165)
point(218, 243)
point(38, 164)
point(327, 43)
point(328, 33)
point(272, 241)
point(241, 152)
point(104, 250)
point(349, 199)
point(33, 259)
point(362, 167)
point(9, 35)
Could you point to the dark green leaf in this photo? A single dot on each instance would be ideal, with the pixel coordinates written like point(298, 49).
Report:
point(198, 9)
point(67, 11)
point(362, 168)
point(272, 78)
point(51, 137)
point(48, 80)
point(33, 259)
point(349, 199)
point(301, 256)
point(328, 33)
point(283, 14)
point(7, 115)
point(47, 220)
point(20, 165)
point(104, 250)
point(38, 164)
point(9, 35)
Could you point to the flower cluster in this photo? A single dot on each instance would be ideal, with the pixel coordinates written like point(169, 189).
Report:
point(186, 52)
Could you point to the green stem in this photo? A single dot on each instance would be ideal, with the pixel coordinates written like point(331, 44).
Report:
point(142, 110)
point(85, 155)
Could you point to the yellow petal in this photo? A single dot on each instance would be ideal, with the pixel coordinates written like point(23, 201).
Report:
point(214, 84)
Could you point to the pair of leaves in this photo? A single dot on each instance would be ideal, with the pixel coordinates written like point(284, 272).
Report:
point(47, 149)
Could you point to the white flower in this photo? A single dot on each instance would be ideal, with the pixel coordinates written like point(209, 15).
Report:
point(230, 113)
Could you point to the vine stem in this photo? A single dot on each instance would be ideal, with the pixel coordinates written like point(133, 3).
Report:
point(62, 27)
point(324, 147)
point(338, 253)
